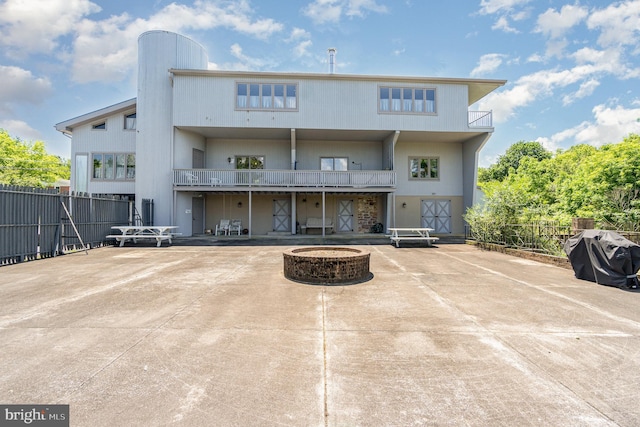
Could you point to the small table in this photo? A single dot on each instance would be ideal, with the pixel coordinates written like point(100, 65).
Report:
point(411, 233)
point(135, 232)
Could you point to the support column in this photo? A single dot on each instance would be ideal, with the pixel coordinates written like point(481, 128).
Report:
point(294, 229)
point(250, 210)
point(323, 213)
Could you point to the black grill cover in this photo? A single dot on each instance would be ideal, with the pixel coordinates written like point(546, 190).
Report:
point(604, 257)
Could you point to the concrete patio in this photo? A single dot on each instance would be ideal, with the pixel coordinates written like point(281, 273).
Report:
point(215, 335)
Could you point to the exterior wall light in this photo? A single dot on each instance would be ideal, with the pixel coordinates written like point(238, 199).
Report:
point(404, 204)
point(239, 204)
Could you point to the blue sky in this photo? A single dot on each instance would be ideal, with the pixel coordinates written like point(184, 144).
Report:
point(573, 68)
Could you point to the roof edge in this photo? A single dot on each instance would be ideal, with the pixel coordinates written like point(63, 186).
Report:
point(68, 125)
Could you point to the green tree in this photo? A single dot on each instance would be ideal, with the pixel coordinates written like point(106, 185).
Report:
point(583, 181)
point(29, 164)
point(511, 159)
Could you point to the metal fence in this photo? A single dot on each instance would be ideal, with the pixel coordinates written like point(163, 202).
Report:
point(546, 237)
point(34, 222)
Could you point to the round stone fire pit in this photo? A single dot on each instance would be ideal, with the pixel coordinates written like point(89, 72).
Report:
point(327, 265)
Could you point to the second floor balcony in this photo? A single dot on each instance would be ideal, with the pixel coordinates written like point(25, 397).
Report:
point(479, 119)
point(269, 179)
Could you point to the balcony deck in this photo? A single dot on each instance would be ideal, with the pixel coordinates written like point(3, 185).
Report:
point(291, 180)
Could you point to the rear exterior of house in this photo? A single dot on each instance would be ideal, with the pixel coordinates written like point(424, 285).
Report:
point(276, 149)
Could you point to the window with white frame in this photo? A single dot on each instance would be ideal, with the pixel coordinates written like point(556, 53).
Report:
point(114, 166)
point(267, 96)
point(406, 100)
point(99, 126)
point(334, 163)
point(424, 168)
point(130, 121)
point(249, 162)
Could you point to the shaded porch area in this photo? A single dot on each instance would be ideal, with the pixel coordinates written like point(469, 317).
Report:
point(276, 213)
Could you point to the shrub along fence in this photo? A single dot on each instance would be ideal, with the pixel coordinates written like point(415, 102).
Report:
point(39, 223)
point(545, 237)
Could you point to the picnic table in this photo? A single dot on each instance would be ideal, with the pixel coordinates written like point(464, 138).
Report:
point(411, 233)
point(135, 232)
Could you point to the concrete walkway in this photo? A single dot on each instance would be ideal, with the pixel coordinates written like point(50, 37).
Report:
point(207, 335)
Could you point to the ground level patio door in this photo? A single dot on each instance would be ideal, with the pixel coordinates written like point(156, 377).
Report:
point(436, 214)
point(197, 215)
point(345, 216)
point(282, 215)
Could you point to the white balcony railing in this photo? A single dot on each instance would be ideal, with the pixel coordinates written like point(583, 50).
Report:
point(283, 178)
point(480, 119)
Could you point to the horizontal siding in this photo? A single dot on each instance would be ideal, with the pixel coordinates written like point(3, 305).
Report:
point(209, 101)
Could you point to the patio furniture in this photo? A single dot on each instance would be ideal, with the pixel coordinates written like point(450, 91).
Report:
point(411, 233)
point(223, 227)
point(136, 232)
point(235, 227)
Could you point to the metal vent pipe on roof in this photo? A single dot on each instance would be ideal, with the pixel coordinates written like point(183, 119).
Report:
point(332, 59)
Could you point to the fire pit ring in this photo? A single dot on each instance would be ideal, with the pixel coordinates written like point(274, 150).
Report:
point(327, 265)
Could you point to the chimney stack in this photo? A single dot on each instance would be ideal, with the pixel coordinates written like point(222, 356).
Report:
point(332, 59)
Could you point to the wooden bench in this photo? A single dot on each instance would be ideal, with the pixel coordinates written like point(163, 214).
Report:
point(418, 233)
point(317, 223)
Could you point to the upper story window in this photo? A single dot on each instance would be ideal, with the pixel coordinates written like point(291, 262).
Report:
point(424, 168)
point(334, 163)
point(130, 121)
point(110, 166)
point(267, 96)
point(99, 126)
point(406, 100)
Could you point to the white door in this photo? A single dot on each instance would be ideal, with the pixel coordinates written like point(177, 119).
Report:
point(436, 214)
point(345, 215)
point(282, 215)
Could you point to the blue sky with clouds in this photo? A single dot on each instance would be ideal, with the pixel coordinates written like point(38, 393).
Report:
point(573, 67)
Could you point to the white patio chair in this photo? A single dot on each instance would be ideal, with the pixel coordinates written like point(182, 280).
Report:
point(223, 227)
point(189, 178)
point(235, 227)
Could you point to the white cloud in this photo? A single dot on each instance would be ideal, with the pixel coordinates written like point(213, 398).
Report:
point(20, 86)
point(105, 50)
point(535, 58)
point(246, 62)
point(361, 7)
point(555, 24)
point(302, 48)
point(610, 125)
point(488, 7)
point(34, 26)
point(525, 91)
point(555, 48)
point(591, 66)
point(20, 129)
point(503, 24)
point(323, 11)
point(619, 23)
point(298, 33)
point(488, 63)
point(586, 89)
